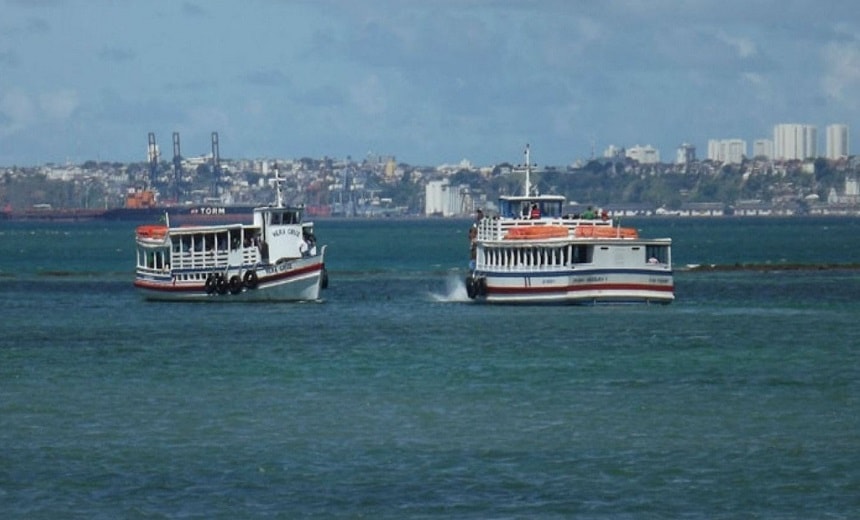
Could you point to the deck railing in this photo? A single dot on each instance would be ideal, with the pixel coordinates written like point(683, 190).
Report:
point(494, 228)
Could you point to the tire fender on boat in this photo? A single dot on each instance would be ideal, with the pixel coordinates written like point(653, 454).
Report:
point(223, 285)
point(251, 279)
point(235, 284)
point(211, 284)
point(324, 278)
point(481, 286)
point(470, 287)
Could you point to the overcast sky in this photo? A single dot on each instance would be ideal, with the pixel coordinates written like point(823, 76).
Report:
point(429, 81)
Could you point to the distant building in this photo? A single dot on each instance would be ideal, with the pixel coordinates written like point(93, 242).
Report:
point(837, 141)
point(793, 141)
point(686, 154)
point(763, 148)
point(644, 154)
point(446, 200)
point(731, 151)
point(613, 152)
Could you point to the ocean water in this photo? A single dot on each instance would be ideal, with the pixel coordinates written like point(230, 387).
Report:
point(395, 397)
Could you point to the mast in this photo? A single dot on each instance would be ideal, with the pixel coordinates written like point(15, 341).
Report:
point(528, 187)
point(280, 195)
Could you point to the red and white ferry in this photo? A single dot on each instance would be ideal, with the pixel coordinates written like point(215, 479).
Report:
point(274, 258)
point(532, 252)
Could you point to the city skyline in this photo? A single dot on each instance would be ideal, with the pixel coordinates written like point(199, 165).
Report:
point(429, 82)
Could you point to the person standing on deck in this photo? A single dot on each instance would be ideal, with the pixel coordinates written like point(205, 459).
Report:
point(473, 237)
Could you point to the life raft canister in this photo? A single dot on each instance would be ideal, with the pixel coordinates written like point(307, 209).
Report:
point(536, 232)
point(151, 231)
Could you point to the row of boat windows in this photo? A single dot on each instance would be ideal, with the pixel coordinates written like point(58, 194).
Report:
point(562, 256)
point(285, 217)
point(220, 241)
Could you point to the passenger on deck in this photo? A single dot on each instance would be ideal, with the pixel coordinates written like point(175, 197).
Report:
point(473, 233)
point(535, 212)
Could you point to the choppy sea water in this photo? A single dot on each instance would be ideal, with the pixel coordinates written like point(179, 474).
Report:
point(396, 398)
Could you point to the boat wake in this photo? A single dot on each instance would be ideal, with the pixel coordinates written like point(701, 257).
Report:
point(455, 291)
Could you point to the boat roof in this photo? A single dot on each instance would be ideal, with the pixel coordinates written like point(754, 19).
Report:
point(190, 230)
point(533, 198)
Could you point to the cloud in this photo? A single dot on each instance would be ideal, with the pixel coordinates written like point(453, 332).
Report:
point(8, 59)
point(59, 105)
point(193, 9)
point(20, 110)
point(842, 72)
point(744, 47)
point(17, 111)
point(369, 96)
point(267, 78)
point(117, 55)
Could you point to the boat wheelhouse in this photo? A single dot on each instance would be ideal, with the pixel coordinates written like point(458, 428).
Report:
point(275, 258)
point(534, 252)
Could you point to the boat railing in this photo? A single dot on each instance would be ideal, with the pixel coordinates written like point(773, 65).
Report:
point(495, 228)
point(199, 259)
point(217, 259)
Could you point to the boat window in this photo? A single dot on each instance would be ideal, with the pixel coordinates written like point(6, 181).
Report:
point(583, 254)
point(657, 254)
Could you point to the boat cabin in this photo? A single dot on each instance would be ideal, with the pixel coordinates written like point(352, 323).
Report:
point(277, 234)
point(512, 256)
point(544, 206)
point(284, 234)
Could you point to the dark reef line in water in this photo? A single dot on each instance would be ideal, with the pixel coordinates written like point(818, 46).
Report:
point(770, 267)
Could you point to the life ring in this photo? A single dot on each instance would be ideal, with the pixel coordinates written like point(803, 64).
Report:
point(324, 278)
point(235, 284)
point(211, 284)
point(222, 284)
point(251, 279)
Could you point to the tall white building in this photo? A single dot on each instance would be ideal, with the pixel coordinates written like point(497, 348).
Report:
point(837, 141)
point(792, 141)
point(440, 198)
point(763, 148)
point(731, 151)
point(686, 154)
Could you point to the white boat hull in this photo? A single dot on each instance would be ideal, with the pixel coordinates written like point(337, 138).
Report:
point(582, 287)
point(295, 280)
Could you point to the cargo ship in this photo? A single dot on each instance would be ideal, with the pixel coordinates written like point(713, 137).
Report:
point(141, 206)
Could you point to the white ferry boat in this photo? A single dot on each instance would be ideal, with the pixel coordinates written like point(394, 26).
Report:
point(532, 252)
point(275, 258)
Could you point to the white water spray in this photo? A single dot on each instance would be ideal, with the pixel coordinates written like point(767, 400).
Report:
point(455, 290)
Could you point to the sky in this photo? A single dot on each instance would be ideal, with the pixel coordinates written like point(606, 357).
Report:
point(427, 81)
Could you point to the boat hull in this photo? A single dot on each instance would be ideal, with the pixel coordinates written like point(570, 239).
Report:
point(183, 215)
point(295, 280)
point(582, 287)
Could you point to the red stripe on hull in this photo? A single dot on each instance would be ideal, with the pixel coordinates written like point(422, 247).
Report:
point(575, 288)
point(180, 288)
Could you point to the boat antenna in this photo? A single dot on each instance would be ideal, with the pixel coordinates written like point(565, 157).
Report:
point(280, 195)
point(527, 186)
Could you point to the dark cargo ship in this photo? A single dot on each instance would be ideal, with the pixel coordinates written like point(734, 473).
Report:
point(140, 206)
